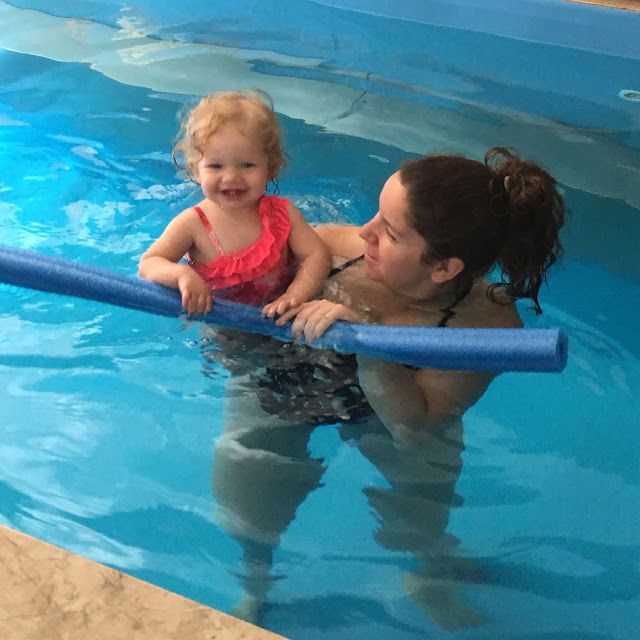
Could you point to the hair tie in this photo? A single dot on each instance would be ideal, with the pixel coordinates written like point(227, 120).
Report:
point(507, 182)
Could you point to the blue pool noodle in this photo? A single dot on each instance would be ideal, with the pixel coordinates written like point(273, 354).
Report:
point(440, 348)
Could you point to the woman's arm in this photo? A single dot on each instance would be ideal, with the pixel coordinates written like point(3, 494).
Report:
point(426, 400)
point(160, 264)
point(415, 404)
point(314, 265)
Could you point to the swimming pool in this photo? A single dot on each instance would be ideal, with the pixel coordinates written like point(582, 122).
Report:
point(111, 417)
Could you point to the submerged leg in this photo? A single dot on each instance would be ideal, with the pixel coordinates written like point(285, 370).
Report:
point(262, 472)
point(413, 515)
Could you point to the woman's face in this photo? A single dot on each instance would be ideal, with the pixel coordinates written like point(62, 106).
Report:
point(394, 250)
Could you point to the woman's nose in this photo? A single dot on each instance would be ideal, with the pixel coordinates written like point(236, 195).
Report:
point(367, 231)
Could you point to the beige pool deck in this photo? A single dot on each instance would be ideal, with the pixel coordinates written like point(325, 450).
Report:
point(47, 593)
point(629, 5)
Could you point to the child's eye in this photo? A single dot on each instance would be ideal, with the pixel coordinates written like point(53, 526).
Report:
point(247, 165)
point(215, 165)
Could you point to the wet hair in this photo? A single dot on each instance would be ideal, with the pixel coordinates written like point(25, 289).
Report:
point(251, 111)
point(505, 212)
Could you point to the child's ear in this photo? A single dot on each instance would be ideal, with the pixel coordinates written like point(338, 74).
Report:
point(274, 170)
point(193, 170)
point(446, 270)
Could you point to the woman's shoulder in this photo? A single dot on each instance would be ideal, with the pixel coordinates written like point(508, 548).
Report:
point(486, 308)
point(476, 310)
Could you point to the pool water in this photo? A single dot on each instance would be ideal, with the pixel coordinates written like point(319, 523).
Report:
point(110, 417)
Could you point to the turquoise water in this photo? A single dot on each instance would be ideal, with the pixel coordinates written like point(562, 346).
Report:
point(110, 417)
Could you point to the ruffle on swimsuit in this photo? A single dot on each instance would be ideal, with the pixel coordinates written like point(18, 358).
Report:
point(254, 272)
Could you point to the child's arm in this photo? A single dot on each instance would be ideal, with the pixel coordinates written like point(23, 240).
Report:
point(314, 265)
point(160, 263)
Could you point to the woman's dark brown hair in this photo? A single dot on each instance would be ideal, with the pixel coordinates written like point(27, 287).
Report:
point(506, 211)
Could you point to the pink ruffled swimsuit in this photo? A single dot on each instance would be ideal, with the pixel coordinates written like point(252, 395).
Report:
point(258, 273)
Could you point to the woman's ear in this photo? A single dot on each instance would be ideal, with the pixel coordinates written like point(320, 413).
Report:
point(446, 270)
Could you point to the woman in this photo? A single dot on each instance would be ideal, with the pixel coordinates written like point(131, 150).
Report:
point(443, 223)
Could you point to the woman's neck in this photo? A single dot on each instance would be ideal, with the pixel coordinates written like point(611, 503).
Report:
point(434, 295)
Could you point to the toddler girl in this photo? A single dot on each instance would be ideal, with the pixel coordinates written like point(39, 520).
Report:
point(239, 243)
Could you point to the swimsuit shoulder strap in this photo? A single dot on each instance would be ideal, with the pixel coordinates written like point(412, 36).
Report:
point(345, 265)
point(448, 312)
point(209, 229)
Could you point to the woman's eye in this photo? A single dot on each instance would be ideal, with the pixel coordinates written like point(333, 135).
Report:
point(391, 236)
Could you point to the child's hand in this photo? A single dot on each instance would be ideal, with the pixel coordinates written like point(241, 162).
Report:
point(313, 318)
point(276, 308)
point(196, 297)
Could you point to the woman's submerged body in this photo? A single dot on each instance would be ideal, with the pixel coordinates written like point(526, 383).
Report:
point(263, 471)
point(413, 434)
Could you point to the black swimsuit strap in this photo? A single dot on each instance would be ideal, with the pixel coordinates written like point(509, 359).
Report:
point(345, 265)
point(448, 312)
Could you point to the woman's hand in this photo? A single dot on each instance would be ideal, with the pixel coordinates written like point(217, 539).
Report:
point(313, 318)
point(196, 297)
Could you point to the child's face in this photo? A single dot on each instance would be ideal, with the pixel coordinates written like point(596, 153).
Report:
point(233, 171)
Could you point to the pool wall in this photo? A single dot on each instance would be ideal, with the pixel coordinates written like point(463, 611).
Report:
point(393, 80)
point(555, 22)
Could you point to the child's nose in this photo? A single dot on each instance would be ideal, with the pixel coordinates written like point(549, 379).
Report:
point(230, 173)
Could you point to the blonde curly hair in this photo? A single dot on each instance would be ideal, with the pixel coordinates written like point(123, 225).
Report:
point(251, 111)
